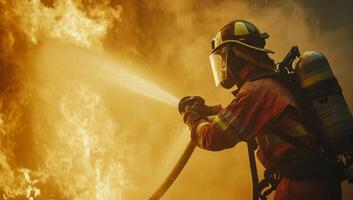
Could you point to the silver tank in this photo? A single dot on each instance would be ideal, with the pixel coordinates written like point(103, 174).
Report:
point(316, 77)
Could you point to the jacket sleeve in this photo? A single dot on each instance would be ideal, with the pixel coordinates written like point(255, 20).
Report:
point(241, 120)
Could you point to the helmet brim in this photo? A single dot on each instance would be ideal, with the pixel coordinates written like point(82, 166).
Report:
point(242, 44)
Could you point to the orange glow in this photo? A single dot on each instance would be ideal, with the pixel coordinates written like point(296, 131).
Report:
point(89, 88)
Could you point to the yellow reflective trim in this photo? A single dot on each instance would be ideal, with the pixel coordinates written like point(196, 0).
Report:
point(221, 123)
point(264, 140)
point(240, 29)
point(268, 139)
point(300, 130)
point(315, 78)
point(232, 134)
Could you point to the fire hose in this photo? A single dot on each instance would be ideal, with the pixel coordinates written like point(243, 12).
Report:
point(188, 102)
point(179, 166)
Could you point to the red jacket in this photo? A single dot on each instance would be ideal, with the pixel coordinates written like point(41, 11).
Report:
point(260, 106)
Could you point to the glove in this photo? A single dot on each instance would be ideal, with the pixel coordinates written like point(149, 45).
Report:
point(190, 102)
point(191, 109)
point(192, 117)
point(197, 104)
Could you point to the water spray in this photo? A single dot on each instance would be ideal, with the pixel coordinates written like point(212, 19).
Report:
point(102, 67)
point(141, 86)
point(151, 90)
point(117, 74)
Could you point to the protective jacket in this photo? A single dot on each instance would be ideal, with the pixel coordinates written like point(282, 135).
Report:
point(261, 108)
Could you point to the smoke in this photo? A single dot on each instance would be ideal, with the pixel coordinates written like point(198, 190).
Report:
point(174, 38)
point(70, 135)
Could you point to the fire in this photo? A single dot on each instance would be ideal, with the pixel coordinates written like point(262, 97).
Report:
point(64, 134)
point(31, 190)
point(59, 138)
point(81, 158)
point(79, 162)
point(67, 21)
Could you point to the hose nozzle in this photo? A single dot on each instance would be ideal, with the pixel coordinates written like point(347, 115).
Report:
point(197, 103)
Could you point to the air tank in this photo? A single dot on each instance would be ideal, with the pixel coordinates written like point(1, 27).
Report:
point(316, 77)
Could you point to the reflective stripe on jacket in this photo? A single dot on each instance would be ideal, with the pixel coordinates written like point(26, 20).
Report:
point(259, 106)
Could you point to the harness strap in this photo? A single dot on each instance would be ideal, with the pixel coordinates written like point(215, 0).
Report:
point(311, 122)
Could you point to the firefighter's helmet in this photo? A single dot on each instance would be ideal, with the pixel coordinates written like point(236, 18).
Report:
point(241, 34)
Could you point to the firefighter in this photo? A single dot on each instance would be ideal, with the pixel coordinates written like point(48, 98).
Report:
point(265, 111)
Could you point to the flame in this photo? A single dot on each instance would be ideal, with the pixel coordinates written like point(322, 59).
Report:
point(81, 158)
point(67, 21)
point(31, 190)
point(66, 136)
point(79, 163)
point(22, 183)
point(59, 138)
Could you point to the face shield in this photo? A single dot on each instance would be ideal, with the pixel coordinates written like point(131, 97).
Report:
point(221, 60)
point(218, 60)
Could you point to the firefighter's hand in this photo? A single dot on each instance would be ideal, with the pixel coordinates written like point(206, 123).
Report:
point(190, 102)
point(192, 117)
point(197, 104)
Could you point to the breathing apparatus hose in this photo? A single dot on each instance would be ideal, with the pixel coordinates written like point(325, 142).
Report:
point(179, 166)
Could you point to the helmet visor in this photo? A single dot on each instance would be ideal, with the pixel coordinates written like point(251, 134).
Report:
point(218, 60)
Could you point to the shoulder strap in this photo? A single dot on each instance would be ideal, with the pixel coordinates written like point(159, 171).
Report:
point(311, 120)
